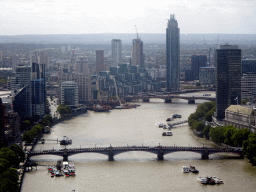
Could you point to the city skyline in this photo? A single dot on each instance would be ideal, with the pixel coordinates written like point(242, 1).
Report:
point(79, 17)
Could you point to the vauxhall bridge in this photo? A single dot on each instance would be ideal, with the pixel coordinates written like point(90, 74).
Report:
point(168, 97)
point(160, 151)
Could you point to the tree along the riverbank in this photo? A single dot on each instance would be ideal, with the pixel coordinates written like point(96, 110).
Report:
point(37, 130)
point(64, 110)
point(229, 135)
point(204, 113)
point(10, 157)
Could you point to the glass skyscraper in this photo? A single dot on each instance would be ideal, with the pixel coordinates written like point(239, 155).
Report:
point(116, 52)
point(228, 78)
point(172, 55)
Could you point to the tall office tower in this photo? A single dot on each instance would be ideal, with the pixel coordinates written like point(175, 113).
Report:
point(38, 92)
point(197, 61)
point(81, 65)
point(116, 52)
point(69, 93)
point(99, 61)
point(137, 53)
point(228, 78)
point(172, 55)
point(22, 102)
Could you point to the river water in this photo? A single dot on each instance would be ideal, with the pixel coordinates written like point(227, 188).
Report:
point(136, 171)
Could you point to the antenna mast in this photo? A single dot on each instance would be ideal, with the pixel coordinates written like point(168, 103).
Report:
point(136, 32)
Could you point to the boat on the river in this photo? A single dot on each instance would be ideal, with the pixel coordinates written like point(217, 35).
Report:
point(71, 169)
point(209, 180)
point(176, 116)
point(193, 169)
point(185, 169)
point(168, 133)
point(65, 141)
point(101, 108)
point(160, 125)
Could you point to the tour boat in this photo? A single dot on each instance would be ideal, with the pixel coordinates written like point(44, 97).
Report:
point(71, 169)
point(193, 169)
point(103, 108)
point(169, 119)
point(65, 141)
point(185, 169)
point(160, 125)
point(209, 180)
point(168, 133)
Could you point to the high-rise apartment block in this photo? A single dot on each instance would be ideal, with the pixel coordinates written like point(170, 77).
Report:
point(83, 82)
point(172, 55)
point(228, 78)
point(248, 86)
point(81, 65)
point(116, 52)
point(137, 53)
point(197, 61)
point(69, 93)
point(99, 61)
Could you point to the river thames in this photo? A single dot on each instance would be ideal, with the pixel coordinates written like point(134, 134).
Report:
point(136, 171)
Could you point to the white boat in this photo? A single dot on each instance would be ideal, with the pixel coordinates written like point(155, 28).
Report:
point(168, 133)
point(160, 125)
point(218, 180)
point(209, 180)
point(185, 169)
point(71, 169)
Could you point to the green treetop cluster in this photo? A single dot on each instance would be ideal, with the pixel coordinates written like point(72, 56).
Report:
point(10, 157)
point(229, 135)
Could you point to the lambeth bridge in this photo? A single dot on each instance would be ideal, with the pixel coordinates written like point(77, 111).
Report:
point(168, 98)
point(160, 151)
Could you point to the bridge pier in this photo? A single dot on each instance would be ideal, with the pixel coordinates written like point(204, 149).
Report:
point(168, 100)
point(205, 155)
point(145, 100)
point(65, 156)
point(191, 101)
point(111, 154)
point(160, 155)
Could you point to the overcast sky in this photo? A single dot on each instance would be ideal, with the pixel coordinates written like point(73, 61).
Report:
point(19, 17)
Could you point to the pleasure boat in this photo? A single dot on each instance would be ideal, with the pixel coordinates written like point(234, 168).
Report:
point(168, 133)
point(160, 125)
point(71, 169)
point(209, 180)
point(185, 169)
point(193, 169)
point(217, 180)
point(169, 119)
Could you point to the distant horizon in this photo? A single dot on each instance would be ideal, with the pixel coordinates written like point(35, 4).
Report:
point(147, 38)
point(133, 34)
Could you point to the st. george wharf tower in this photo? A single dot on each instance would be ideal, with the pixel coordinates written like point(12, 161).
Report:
point(172, 55)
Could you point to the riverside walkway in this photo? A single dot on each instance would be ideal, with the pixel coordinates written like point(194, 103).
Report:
point(160, 151)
